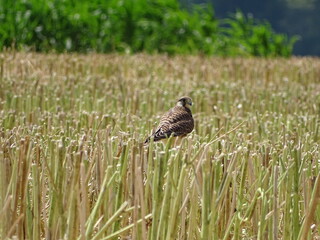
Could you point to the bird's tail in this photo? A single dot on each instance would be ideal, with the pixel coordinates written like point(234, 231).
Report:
point(147, 140)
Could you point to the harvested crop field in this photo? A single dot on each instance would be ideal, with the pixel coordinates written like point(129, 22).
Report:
point(73, 166)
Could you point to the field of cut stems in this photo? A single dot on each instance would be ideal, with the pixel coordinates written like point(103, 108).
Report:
point(73, 166)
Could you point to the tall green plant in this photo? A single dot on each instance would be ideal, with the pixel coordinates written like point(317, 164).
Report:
point(244, 35)
point(153, 26)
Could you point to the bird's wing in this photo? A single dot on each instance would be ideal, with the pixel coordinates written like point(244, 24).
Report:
point(178, 121)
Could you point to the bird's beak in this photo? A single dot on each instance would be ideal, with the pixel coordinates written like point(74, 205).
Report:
point(190, 103)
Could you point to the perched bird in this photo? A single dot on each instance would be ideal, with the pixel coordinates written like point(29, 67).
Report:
point(178, 121)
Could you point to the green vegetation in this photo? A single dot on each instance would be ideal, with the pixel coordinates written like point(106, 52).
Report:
point(282, 15)
point(158, 26)
point(72, 165)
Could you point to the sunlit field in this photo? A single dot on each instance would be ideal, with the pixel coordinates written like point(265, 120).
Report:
point(73, 164)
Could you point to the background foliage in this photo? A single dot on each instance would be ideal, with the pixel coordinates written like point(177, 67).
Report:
point(293, 17)
point(160, 26)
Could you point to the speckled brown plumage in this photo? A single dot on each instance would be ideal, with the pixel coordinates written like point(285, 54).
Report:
point(178, 121)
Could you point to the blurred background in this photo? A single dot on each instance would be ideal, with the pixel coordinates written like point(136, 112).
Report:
point(293, 17)
point(208, 27)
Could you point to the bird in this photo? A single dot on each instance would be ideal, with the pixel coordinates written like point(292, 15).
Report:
point(178, 121)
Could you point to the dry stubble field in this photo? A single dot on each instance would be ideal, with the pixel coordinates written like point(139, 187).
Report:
point(72, 165)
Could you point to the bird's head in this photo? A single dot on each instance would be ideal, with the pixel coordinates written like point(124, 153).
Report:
point(184, 102)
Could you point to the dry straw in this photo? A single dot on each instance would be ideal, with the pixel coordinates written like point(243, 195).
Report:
point(73, 166)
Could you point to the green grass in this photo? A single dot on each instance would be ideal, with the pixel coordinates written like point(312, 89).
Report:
point(72, 165)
